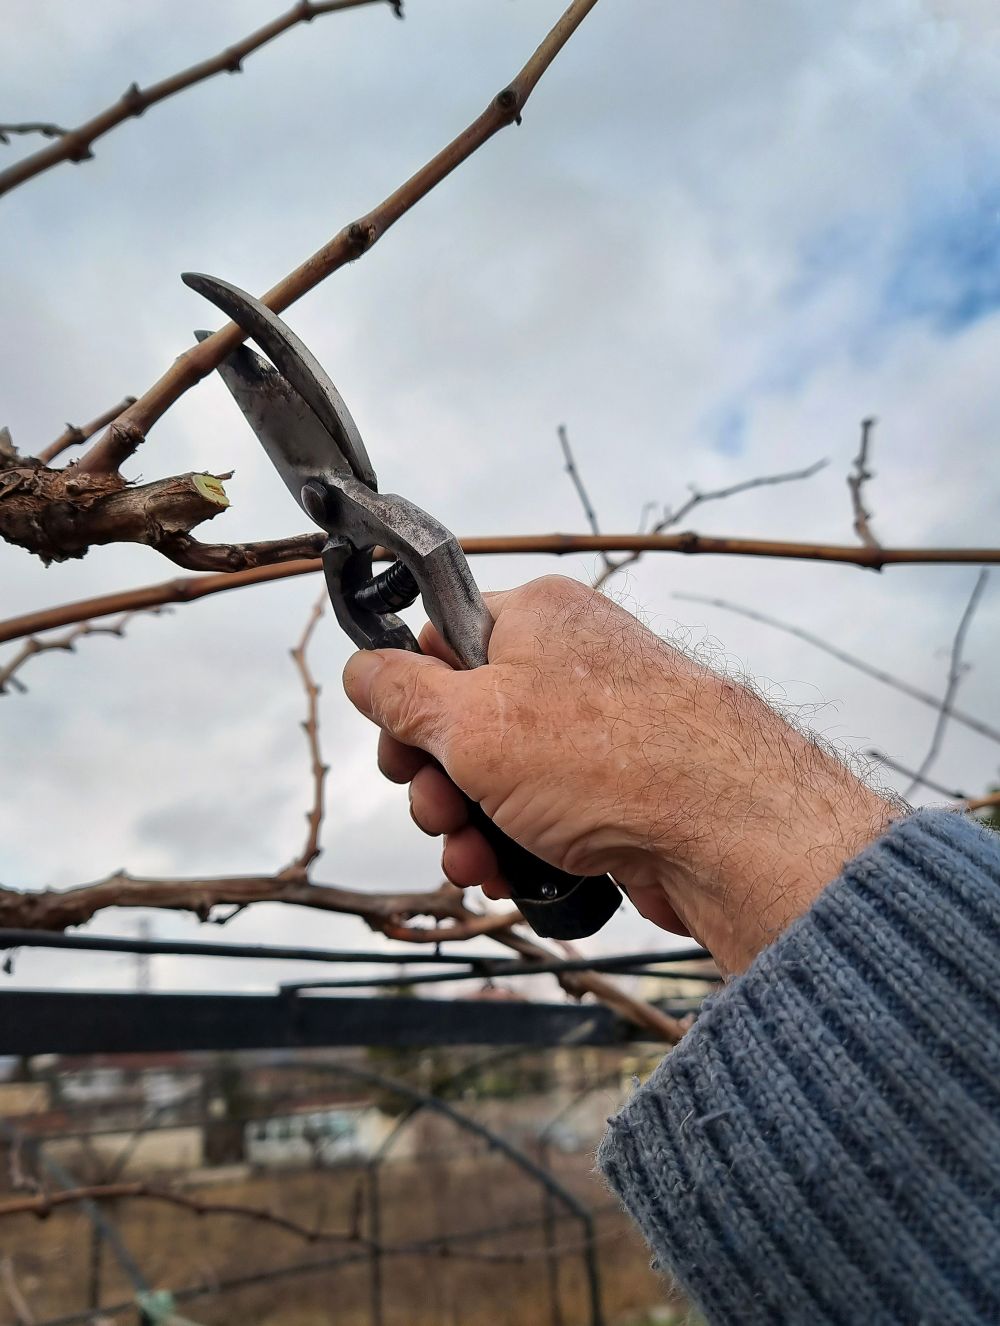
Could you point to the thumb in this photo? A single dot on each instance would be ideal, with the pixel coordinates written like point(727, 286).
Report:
point(407, 695)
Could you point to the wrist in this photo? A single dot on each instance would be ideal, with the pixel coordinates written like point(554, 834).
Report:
point(748, 821)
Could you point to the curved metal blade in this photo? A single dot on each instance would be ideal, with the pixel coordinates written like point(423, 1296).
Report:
point(285, 426)
point(334, 444)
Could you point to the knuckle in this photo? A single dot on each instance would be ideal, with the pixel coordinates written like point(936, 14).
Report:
point(403, 707)
point(559, 590)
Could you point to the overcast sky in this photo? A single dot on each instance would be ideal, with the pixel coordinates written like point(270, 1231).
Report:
point(723, 234)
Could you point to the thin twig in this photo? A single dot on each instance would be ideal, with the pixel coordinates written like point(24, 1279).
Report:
point(124, 437)
point(42, 1205)
point(953, 794)
point(956, 670)
point(983, 803)
point(965, 802)
point(42, 127)
point(33, 646)
point(670, 518)
point(314, 816)
point(856, 481)
point(75, 436)
point(661, 1025)
point(437, 1246)
point(879, 674)
point(188, 588)
point(76, 144)
point(23, 1316)
point(581, 491)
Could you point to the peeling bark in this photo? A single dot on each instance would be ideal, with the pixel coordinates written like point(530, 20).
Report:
point(60, 514)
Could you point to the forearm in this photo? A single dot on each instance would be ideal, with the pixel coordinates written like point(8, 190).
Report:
point(824, 1145)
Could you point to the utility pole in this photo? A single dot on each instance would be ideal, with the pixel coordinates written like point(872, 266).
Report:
point(143, 961)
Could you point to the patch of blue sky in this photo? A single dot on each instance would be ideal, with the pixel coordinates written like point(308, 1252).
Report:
point(726, 427)
point(947, 268)
point(843, 247)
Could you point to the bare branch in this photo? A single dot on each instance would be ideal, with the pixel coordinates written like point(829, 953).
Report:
point(189, 553)
point(186, 589)
point(965, 802)
point(23, 1316)
point(31, 127)
point(578, 484)
point(52, 909)
point(75, 436)
point(577, 984)
point(76, 144)
point(906, 772)
point(43, 1204)
point(670, 518)
point(879, 674)
point(388, 913)
point(314, 816)
point(956, 670)
point(441, 1246)
point(983, 803)
point(67, 643)
point(124, 437)
point(60, 514)
point(856, 481)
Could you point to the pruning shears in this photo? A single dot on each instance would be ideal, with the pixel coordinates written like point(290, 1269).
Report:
point(307, 431)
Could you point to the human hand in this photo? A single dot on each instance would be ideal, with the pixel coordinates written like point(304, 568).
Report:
point(601, 748)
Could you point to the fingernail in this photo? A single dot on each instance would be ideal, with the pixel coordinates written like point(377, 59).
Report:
point(359, 677)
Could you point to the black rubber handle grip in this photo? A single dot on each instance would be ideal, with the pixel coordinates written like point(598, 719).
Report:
point(556, 905)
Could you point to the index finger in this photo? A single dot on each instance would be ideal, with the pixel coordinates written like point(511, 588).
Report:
point(432, 642)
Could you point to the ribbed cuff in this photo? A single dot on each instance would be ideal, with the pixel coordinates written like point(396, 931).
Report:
point(824, 1145)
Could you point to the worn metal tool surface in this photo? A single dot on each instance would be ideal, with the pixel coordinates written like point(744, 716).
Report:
point(307, 431)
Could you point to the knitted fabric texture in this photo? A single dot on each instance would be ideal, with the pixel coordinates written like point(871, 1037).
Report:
point(824, 1145)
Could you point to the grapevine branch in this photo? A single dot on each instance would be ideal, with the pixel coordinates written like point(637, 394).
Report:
point(581, 489)
point(953, 794)
point(611, 568)
point(23, 1314)
point(43, 1204)
point(314, 816)
point(852, 661)
point(956, 670)
point(33, 646)
point(856, 481)
point(670, 518)
point(965, 802)
point(982, 803)
point(75, 436)
point(301, 560)
point(52, 909)
point(124, 437)
point(41, 127)
point(76, 144)
point(440, 1245)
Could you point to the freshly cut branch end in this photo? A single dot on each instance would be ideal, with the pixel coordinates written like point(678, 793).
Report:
point(60, 514)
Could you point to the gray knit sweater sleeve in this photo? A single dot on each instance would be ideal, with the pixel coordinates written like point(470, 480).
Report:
point(824, 1145)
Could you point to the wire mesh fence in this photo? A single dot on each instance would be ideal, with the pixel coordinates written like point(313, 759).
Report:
point(370, 1187)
